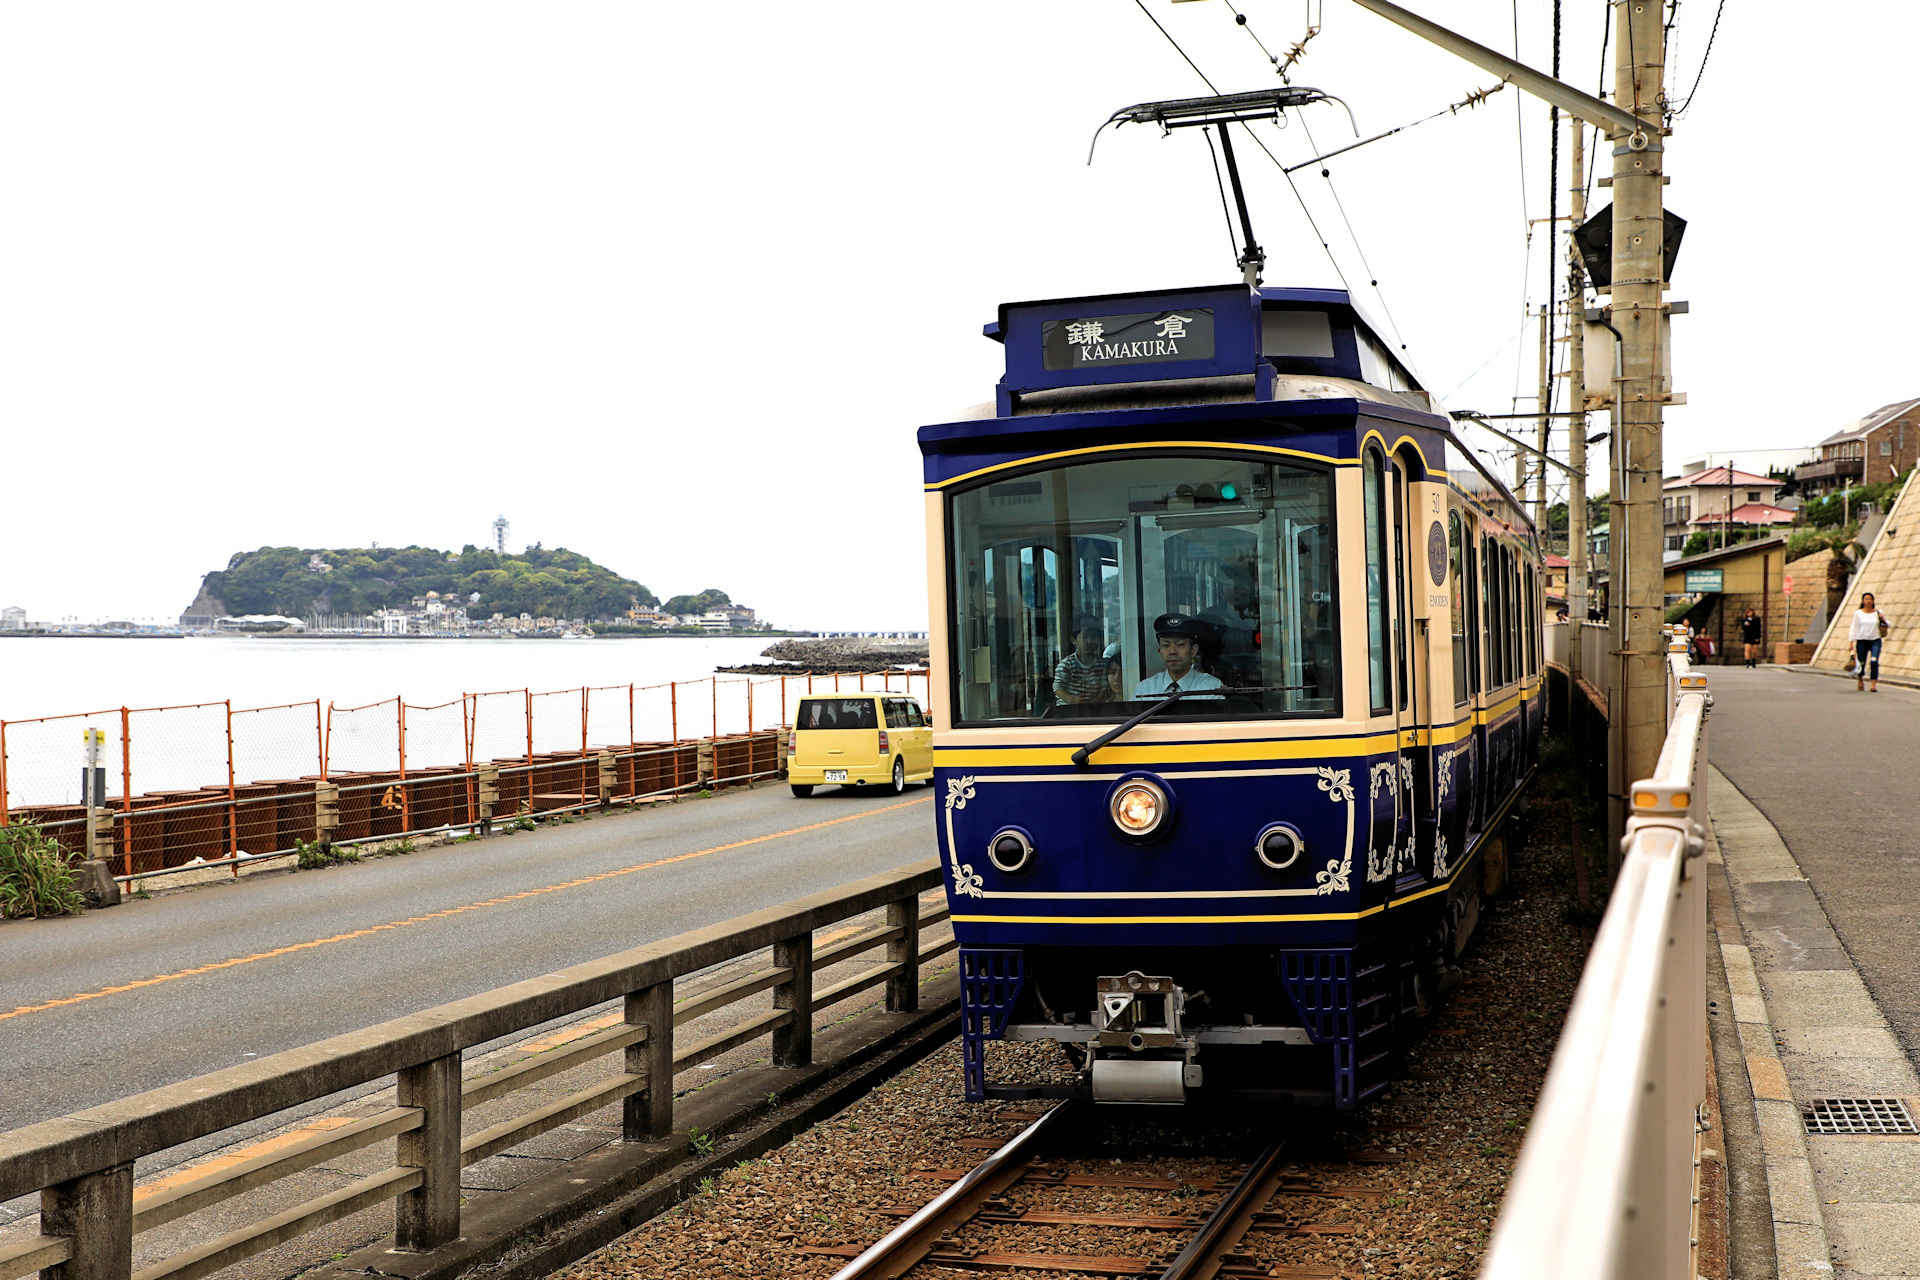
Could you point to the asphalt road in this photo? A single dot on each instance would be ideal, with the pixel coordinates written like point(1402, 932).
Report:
point(1834, 772)
point(357, 950)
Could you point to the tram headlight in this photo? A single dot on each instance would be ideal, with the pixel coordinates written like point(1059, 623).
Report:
point(1140, 806)
point(1279, 846)
point(1010, 850)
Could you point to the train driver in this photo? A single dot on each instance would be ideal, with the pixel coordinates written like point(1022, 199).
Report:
point(1179, 639)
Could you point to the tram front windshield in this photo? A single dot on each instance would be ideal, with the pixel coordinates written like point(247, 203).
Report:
point(1058, 577)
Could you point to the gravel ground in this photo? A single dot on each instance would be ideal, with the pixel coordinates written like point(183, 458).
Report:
point(1409, 1188)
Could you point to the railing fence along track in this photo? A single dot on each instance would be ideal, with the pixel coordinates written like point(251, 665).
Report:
point(208, 784)
point(1595, 643)
point(82, 1164)
point(1606, 1181)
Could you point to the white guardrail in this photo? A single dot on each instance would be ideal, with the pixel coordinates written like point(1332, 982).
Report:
point(1605, 1185)
point(1596, 660)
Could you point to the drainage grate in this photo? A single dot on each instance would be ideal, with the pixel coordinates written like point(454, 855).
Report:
point(1858, 1115)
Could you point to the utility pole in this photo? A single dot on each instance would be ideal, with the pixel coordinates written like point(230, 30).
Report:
point(1544, 403)
point(1636, 721)
point(1632, 122)
point(1577, 406)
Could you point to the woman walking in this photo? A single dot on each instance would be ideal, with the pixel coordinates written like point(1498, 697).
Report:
point(1750, 636)
point(1868, 629)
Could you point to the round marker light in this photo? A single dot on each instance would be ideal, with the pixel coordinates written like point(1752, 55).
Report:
point(1279, 846)
point(1010, 850)
point(1138, 808)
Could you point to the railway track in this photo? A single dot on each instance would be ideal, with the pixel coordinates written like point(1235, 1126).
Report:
point(999, 1216)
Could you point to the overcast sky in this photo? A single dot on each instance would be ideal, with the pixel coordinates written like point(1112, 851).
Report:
point(673, 284)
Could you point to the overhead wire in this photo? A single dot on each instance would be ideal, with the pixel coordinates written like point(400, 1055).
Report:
point(1373, 280)
point(1708, 53)
point(1258, 142)
point(1526, 255)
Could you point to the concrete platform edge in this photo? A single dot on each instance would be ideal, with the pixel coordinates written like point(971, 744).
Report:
point(1801, 1248)
point(589, 1202)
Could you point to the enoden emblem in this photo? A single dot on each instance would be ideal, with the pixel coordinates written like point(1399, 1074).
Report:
point(1437, 553)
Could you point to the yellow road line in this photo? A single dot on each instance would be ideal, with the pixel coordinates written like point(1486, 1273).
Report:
point(568, 1034)
point(312, 1128)
point(439, 915)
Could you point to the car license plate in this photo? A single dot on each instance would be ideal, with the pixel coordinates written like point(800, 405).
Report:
point(836, 775)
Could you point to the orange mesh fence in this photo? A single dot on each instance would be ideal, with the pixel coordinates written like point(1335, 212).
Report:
point(433, 756)
point(653, 713)
point(363, 739)
point(610, 715)
point(181, 761)
point(203, 781)
point(281, 743)
point(41, 760)
point(497, 726)
point(556, 721)
point(436, 736)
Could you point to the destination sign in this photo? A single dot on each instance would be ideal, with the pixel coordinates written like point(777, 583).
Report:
point(1153, 337)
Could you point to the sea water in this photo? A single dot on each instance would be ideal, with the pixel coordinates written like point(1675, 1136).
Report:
point(188, 747)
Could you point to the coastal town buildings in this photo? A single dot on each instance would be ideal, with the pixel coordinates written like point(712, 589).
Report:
point(1881, 446)
point(1716, 496)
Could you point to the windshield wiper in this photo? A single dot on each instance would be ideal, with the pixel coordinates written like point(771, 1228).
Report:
point(1081, 756)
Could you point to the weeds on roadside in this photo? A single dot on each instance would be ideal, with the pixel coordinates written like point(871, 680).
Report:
point(701, 1144)
point(312, 857)
point(35, 879)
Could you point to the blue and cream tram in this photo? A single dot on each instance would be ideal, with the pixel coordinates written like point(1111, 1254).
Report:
point(1266, 869)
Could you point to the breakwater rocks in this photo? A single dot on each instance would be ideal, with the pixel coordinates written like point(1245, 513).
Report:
point(825, 657)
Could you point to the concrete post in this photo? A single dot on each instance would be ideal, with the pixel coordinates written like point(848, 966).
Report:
point(1637, 719)
point(793, 1043)
point(703, 763)
point(487, 796)
point(429, 1215)
point(96, 1212)
point(326, 812)
point(100, 833)
point(609, 778)
point(649, 1114)
point(903, 988)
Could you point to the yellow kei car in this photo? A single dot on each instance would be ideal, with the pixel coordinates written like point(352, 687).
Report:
point(859, 739)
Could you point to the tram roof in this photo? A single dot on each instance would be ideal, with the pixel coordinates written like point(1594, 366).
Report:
point(1131, 361)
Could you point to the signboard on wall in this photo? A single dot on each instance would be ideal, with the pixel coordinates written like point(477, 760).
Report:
point(1703, 580)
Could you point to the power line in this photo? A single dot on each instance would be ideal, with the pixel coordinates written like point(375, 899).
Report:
point(1703, 60)
point(1140, 4)
point(1372, 281)
point(1324, 246)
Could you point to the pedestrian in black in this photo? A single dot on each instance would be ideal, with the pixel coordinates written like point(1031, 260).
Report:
point(1750, 636)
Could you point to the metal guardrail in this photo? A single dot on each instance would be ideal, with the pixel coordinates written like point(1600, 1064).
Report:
point(82, 1164)
point(1605, 1184)
point(1596, 663)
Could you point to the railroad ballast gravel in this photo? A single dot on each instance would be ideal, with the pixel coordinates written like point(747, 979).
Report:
point(1411, 1187)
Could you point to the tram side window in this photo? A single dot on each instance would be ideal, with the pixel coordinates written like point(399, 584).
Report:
point(1470, 576)
point(1457, 607)
point(1490, 576)
point(1513, 614)
point(1374, 515)
point(1533, 622)
point(1057, 576)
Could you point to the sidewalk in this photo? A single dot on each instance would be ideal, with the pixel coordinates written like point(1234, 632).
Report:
point(1844, 1205)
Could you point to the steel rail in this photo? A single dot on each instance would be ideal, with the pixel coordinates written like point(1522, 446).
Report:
point(1229, 1221)
point(1015, 1152)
